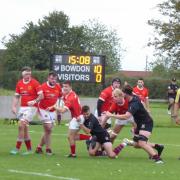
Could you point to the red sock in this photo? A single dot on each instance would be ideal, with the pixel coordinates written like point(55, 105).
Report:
point(84, 137)
point(73, 149)
point(18, 144)
point(118, 149)
point(28, 144)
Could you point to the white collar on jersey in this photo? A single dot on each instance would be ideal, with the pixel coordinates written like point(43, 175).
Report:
point(50, 85)
point(26, 82)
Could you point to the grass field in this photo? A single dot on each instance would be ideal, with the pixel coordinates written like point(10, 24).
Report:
point(132, 164)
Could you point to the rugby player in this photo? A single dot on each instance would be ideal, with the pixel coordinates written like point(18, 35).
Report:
point(105, 100)
point(52, 92)
point(172, 90)
point(142, 92)
point(28, 93)
point(72, 103)
point(144, 125)
point(91, 125)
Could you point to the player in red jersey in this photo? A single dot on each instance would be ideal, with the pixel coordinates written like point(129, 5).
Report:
point(52, 92)
point(29, 93)
point(105, 99)
point(142, 92)
point(72, 103)
point(119, 106)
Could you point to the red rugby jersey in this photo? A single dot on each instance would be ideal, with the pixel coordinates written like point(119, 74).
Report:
point(141, 93)
point(28, 91)
point(106, 96)
point(71, 102)
point(51, 95)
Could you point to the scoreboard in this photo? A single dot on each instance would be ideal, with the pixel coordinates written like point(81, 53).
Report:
point(80, 68)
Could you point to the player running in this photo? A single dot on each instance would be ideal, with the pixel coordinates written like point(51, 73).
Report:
point(144, 125)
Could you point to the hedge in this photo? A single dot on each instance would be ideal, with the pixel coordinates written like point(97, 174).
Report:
point(157, 86)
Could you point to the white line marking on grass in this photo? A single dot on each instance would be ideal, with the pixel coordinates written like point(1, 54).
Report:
point(54, 134)
point(41, 174)
point(175, 145)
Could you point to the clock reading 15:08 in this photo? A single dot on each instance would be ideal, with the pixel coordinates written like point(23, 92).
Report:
point(82, 68)
point(79, 59)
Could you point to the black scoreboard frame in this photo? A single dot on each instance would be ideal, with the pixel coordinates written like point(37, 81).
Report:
point(79, 68)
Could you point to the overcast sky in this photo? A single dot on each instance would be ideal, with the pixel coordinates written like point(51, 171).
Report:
point(129, 18)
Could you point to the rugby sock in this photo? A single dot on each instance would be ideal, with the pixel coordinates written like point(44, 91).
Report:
point(156, 157)
point(84, 137)
point(73, 149)
point(118, 149)
point(18, 144)
point(28, 144)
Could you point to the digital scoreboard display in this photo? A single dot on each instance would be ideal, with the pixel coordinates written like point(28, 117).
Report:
point(81, 68)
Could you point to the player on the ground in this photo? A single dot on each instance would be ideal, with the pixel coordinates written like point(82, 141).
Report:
point(144, 124)
point(52, 92)
point(105, 100)
point(29, 93)
point(142, 92)
point(91, 125)
point(72, 103)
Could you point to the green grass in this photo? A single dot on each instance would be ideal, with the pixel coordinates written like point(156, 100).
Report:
point(132, 164)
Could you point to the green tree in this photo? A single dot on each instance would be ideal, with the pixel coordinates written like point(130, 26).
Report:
point(104, 42)
point(167, 38)
point(53, 34)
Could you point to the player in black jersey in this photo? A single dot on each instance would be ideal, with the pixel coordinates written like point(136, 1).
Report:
point(144, 125)
point(172, 90)
point(91, 125)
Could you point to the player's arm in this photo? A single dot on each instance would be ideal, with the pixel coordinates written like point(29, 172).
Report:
point(61, 109)
point(125, 116)
point(85, 129)
point(99, 105)
point(147, 104)
point(38, 99)
point(15, 102)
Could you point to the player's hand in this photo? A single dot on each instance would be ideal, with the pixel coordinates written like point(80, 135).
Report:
point(51, 108)
point(31, 103)
point(14, 110)
point(108, 114)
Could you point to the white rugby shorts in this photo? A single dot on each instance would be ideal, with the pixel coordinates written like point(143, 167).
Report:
point(74, 124)
point(26, 113)
point(47, 116)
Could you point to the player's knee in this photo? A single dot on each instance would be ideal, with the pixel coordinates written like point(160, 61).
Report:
point(142, 140)
point(48, 131)
point(21, 125)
